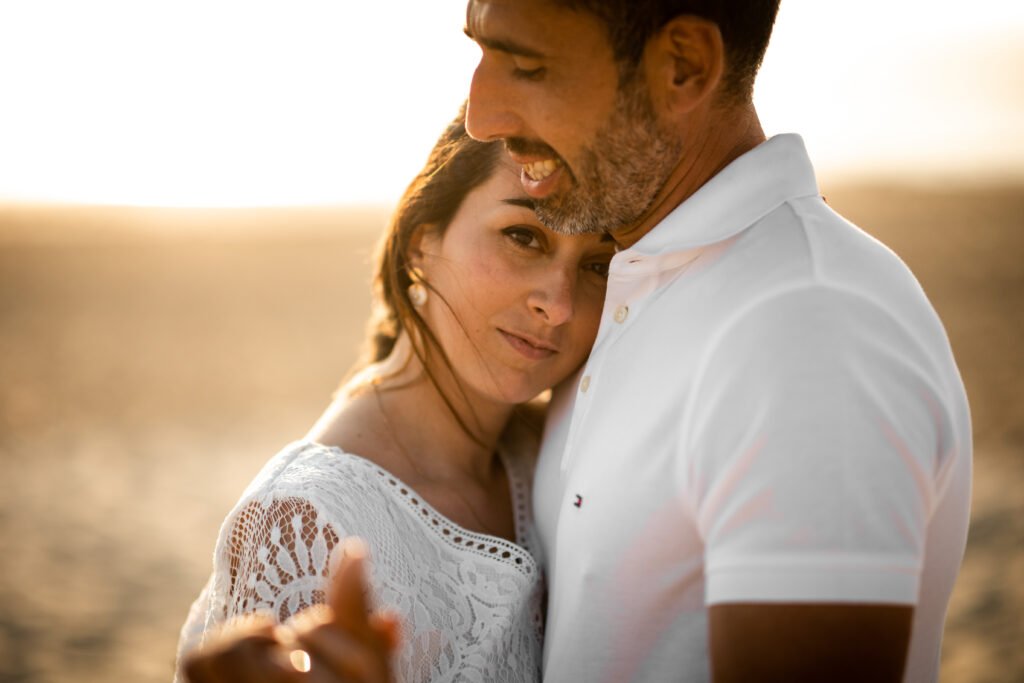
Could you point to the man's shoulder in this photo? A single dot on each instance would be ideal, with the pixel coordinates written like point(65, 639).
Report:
point(809, 246)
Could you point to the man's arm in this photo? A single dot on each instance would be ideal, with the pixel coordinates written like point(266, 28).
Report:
point(792, 642)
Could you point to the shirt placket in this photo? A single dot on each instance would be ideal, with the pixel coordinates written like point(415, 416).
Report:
point(630, 283)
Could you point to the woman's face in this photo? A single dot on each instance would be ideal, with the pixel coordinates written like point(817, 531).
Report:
point(523, 302)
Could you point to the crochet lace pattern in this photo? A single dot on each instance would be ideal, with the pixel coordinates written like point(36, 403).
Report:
point(470, 603)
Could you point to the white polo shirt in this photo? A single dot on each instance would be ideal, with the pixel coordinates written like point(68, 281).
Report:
point(771, 412)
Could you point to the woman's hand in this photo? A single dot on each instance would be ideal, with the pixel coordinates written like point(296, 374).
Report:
point(246, 649)
point(339, 641)
point(345, 637)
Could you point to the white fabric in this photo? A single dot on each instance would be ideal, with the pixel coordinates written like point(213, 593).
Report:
point(471, 603)
point(771, 412)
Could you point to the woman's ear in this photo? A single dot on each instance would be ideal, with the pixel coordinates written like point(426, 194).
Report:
point(685, 63)
point(421, 238)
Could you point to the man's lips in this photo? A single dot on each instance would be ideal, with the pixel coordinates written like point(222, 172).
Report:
point(538, 165)
point(540, 185)
point(540, 170)
point(529, 346)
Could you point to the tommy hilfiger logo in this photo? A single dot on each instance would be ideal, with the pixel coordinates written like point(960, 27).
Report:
point(579, 501)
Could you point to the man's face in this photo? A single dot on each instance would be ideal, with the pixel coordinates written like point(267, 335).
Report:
point(593, 156)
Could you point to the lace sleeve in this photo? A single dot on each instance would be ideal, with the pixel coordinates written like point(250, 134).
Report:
point(273, 557)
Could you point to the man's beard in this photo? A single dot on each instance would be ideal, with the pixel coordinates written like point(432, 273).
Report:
point(618, 176)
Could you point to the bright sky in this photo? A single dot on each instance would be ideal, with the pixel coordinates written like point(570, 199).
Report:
point(258, 102)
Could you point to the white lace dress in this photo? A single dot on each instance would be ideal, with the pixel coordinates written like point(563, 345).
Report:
point(471, 603)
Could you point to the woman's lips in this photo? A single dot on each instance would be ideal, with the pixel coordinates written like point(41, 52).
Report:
point(534, 349)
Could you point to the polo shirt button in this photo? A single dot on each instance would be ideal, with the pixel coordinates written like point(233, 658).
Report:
point(621, 313)
point(585, 383)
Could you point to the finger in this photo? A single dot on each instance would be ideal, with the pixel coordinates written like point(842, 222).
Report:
point(380, 630)
point(198, 668)
point(206, 664)
point(388, 626)
point(345, 656)
point(250, 659)
point(245, 625)
point(307, 625)
point(268, 666)
point(347, 592)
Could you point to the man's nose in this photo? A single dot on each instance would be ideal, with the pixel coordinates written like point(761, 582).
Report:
point(489, 115)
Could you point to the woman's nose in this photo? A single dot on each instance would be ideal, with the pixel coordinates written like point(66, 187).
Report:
point(553, 298)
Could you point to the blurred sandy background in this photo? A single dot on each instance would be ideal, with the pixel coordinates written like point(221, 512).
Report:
point(151, 360)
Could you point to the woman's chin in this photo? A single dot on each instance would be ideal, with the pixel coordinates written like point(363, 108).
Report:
point(528, 393)
point(512, 386)
point(515, 393)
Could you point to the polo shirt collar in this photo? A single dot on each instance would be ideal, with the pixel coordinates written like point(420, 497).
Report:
point(745, 191)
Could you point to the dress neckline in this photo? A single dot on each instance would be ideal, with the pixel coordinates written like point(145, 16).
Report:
point(517, 553)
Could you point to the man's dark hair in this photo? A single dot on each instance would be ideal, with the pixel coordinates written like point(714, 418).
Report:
point(746, 26)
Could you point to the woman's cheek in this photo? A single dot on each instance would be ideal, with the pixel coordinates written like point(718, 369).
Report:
point(588, 324)
point(494, 276)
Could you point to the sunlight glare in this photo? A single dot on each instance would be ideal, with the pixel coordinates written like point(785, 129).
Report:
point(232, 103)
point(911, 89)
point(224, 103)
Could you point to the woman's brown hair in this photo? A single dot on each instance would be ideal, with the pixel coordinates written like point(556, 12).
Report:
point(456, 165)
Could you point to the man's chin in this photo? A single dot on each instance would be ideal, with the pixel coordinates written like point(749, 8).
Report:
point(566, 224)
point(572, 215)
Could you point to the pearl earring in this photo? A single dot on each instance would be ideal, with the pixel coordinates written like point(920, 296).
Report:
point(417, 294)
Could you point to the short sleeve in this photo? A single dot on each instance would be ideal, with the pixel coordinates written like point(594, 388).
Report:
point(813, 437)
point(273, 556)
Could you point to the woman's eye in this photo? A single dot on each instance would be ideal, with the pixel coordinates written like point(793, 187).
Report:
point(599, 267)
point(522, 237)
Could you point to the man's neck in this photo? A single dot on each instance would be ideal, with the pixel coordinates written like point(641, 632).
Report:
point(718, 139)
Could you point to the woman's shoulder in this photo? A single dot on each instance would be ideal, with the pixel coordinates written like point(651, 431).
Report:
point(274, 547)
point(309, 490)
point(307, 469)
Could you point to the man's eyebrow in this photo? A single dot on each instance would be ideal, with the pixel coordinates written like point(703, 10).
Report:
point(507, 46)
point(524, 202)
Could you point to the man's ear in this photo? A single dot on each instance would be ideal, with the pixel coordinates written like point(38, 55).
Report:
point(685, 63)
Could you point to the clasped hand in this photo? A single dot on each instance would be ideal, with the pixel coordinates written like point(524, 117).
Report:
point(342, 640)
